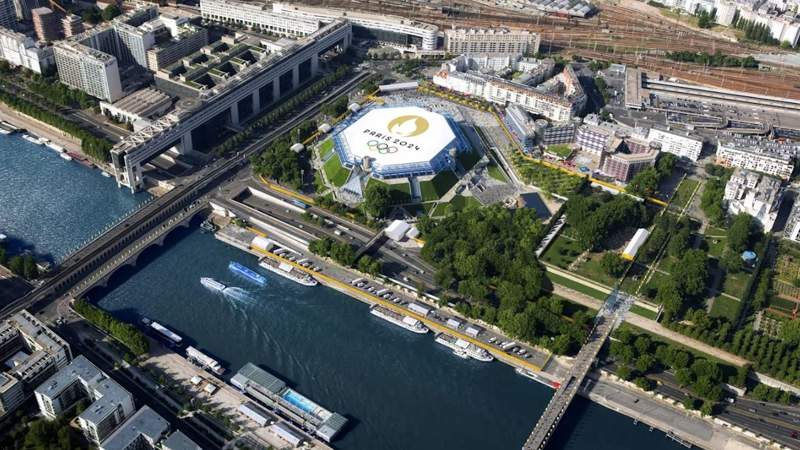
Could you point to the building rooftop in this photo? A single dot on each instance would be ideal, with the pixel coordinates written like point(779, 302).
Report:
point(254, 374)
point(179, 441)
point(143, 102)
point(145, 424)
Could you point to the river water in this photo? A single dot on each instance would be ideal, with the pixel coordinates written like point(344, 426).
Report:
point(50, 206)
point(399, 390)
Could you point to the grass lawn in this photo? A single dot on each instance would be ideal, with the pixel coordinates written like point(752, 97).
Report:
point(574, 285)
point(782, 304)
point(725, 307)
point(468, 159)
point(560, 150)
point(458, 203)
point(684, 192)
point(562, 252)
point(325, 149)
point(716, 246)
point(336, 174)
point(435, 188)
point(592, 270)
point(497, 173)
point(736, 283)
point(716, 231)
point(644, 312)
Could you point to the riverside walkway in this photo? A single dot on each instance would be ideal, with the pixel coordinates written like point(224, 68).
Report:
point(609, 317)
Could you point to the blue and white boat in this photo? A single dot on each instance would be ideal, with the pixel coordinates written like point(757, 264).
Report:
point(251, 275)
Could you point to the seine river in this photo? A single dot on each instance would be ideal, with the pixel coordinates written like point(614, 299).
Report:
point(399, 390)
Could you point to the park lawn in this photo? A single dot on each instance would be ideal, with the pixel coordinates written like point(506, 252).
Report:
point(497, 173)
point(736, 283)
point(325, 149)
point(435, 188)
point(684, 192)
point(781, 304)
point(592, 270)
point(716, 246)
point(574, 285)
point(560, 150)
point(562, 252)
point(644, 312)
point(716, 231)
point(468, 159)
point(724, 306)
point(458, 203)
point(335, 172)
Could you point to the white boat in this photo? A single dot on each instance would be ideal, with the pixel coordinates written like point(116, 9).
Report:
point(401, 320)
point(55, 147)
point(212, 284)
point(163, 331)
point(65, 156)
point(31, 139)
point(4, 131)
point(288, 271)
point(105, 174)
point(535, 377)
point(461, 347)
point(204, 360)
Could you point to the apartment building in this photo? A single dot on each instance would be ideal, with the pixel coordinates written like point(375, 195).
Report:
point(769, 157)
point(31, 352)
point(111, 403)
point(20, 50)
point(679, 145)
point(490, 41)
point(755, 194)
point(623, 165)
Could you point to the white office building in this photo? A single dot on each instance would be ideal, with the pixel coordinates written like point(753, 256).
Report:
point(257, 15)
point(89, 70)
point(755, 194)
point(23, 51)
point(111, 403)
point(679, 145)
point(769, 157)
point(391, 30)
point(490, 41)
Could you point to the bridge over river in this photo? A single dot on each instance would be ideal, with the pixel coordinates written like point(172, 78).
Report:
point(610, 316)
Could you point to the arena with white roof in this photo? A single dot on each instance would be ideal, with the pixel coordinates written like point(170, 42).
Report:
point(396, 142)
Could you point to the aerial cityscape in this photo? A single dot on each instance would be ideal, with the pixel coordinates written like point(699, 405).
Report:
point(399, 224)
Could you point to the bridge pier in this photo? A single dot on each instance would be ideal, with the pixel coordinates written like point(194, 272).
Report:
point(256, 99)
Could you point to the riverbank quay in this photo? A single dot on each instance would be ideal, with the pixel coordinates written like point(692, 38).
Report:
point(665, 414)
point(688, 428)
point(340, 279)
point(57, 136)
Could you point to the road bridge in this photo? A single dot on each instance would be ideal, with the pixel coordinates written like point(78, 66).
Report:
point(610, 316)
point(98, 259)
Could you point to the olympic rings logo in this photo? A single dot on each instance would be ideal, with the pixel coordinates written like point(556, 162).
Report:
point(381, 147)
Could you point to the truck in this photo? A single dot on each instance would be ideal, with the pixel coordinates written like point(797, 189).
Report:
point(508, 345)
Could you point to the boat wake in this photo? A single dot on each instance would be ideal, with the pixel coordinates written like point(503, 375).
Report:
point(237, 293)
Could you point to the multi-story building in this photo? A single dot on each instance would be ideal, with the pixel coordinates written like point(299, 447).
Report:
point(556, 133)
point(24, 8)
point(141, 106)
point(677, 144)
point(111, 403)
point(32, 352)
point(559, 98)
point(521, 126)
point(89, 70)
point(391, 30)
point(142, 431)
point(624, 165)
point(792, 228)
point(8, 15)
point(72, 25)
point(755, 194)
point(594, 139)
point(490, 41)
point(257, 15)
point(769, 157)
point(185, 39)
point(91, 61)
point(46, 24)
point(23, 51)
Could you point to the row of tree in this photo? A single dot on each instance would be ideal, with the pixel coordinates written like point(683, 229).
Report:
point(754, 31)
point(93, 146)
point(345, 254)
point(716, 59)
point(126, 333)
